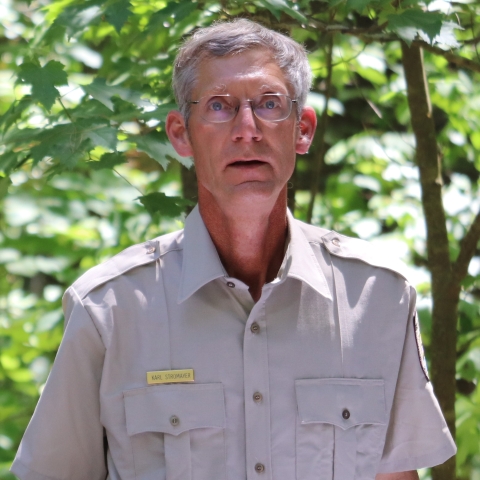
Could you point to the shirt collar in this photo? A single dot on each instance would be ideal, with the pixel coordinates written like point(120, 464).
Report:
point(201, 263)
point(300, 261)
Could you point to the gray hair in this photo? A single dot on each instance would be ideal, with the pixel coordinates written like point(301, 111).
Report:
point(230, 38)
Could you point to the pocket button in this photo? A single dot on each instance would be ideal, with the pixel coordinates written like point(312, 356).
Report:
point(257, 397)
point(346, 414)
point(174, 420)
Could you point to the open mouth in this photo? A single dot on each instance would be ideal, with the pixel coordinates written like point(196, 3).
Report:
point(247, 163)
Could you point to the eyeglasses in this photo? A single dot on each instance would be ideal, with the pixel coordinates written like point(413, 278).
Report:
point(271, 107)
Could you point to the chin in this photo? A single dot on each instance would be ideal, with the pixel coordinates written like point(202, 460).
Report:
point(252, 199)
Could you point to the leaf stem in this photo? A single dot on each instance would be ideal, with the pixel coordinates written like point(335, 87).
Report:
point(128, 181)
point(66, 111)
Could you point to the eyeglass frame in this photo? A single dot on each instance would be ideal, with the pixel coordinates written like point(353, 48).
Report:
point(292, 101)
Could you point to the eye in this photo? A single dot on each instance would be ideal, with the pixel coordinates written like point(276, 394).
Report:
point(217, 106)
point(268, 102)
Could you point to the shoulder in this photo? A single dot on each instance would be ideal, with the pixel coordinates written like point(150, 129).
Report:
point(354, 249)
point(132, 257)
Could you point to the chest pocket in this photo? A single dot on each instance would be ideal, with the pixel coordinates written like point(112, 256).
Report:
point(341, 427)
point(176, 430)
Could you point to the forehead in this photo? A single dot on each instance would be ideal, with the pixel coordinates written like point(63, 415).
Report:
point(239, 73)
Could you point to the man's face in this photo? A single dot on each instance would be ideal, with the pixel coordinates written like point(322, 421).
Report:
point(245, 162)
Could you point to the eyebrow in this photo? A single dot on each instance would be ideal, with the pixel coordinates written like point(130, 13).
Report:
point(219, 88)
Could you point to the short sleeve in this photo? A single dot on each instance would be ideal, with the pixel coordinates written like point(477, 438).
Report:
point(64, 439)
point(417, 435)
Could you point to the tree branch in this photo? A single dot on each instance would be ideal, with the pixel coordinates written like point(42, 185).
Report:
point(322, 128)
point(468, 247)
point(451, 57)
point(377, 33)
point(428, 161)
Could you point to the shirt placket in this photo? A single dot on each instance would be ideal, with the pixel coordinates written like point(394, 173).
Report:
point(257, 394)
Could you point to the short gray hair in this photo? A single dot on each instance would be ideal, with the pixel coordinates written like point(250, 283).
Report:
point(230, 38)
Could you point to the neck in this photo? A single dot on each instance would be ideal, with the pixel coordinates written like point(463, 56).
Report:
point(250, 246)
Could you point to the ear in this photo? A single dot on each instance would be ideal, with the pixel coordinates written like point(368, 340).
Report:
point(178, 134)
point(306, 130)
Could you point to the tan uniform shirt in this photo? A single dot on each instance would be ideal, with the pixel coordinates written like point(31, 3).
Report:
point(320, 379)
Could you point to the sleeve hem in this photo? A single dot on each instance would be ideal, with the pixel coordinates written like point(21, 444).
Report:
point(24, 473)
point(424, 461)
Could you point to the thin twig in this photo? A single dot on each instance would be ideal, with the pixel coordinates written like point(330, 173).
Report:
point(66, 111)
point(130, 183)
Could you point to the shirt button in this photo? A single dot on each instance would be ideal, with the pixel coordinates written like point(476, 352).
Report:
point(336, 242)
point(174, 420)
point(257, 397)
point(259, 467)
point(230, 284)
point(255, 327)
point(346, 414)
point(151, 250)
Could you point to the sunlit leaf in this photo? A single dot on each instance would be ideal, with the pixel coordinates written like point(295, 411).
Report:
point(413, 22)
point(102, 92)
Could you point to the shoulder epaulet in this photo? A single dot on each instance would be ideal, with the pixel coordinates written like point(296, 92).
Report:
point(128, 259)
point(348, 247)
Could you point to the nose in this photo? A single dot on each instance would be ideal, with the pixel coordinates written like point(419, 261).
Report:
point(245, 124)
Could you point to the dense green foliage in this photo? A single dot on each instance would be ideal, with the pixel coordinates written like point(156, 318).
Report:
point(86, 169)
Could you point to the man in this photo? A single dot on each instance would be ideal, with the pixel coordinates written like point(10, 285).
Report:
point(249, 345)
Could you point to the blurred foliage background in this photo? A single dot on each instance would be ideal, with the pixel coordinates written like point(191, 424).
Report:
point(86, 169)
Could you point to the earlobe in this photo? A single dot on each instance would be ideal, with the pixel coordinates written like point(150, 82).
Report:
point(177, 133)
point(306, 130)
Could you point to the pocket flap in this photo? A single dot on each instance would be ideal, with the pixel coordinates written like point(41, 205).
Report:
point(343, 402)
point(174, 409)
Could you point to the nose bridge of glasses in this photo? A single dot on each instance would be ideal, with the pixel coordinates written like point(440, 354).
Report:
point(244, 105)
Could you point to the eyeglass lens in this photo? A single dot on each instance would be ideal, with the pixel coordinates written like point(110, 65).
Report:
point(222, 108)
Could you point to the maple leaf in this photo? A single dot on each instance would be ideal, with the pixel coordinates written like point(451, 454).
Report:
point(43, 81)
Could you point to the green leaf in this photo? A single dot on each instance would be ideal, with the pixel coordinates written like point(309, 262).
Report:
point(413, 22)
point(158, 202)
point(102, 135)
point(43, 80)
point(91, 108)
point(8, 162)
point(117, 13)
point(357, 5)
point(14, 112)
point(21, 136)
point(108, 160)
point(446, 37)
point(173, 10)
point(160, 113)
point(334, 3)
point(102, 92)
point(65, 143)
point(76, 18)
point(278, 6)
point(155, 145)
point(5, 182)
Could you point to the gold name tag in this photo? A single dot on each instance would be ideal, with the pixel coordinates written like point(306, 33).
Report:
point(170, 376)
